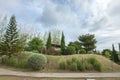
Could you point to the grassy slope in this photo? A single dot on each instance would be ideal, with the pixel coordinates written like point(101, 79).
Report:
point(53, 62)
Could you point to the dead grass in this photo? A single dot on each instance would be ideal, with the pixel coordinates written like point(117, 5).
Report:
point(53, 62)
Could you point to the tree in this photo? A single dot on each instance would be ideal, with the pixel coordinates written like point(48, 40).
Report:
point(107, 53)
point(119, 47)
point(49, 45)
point(114, 54)
point(77, 46)
point(62, 43)
point(10, 41)
point(88, 42)
point(70, 50)
point(35, 44)
point(55, 36)
point(3, 24)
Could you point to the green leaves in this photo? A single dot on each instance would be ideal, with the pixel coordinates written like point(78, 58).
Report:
point(35, 44)
point(49, 44)
point(88, 42)
point(62, 43)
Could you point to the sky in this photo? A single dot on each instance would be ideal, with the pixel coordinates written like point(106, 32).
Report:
point(73, 17)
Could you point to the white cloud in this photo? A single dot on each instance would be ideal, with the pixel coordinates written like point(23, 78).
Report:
point(74, 17)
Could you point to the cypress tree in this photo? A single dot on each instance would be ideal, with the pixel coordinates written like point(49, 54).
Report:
point(114, 54)
point(48, 45)
point(11, 38)
point(62, 43)
point(119, 47)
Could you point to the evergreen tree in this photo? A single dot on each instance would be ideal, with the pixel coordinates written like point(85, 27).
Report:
point(49, 45)
point(88, 42)
point(62, 43)
point(114, 54)
point(11, 38)
point(119, 47)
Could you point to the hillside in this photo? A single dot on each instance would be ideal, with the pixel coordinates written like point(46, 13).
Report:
point(53, 62)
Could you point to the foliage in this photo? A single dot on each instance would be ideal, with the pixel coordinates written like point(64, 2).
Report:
point(10, 43)
point(96, 64)
point(88, 66)
point(77, 46)
point(63, 65)
point(73, 66)
point(14, 61)
point(49, 44)
point(4, 59)
point(35, 44)
point(37, 61)
point(107, 53)
point(81, 66)
point(82, 51)
point(63, 44)
point(88, 42)
point(114, 54)
point(70, 50)
point(119, 47)
point(74, 59)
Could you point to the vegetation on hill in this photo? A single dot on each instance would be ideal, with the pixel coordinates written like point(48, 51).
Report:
point(53, 62)
point(14, 44)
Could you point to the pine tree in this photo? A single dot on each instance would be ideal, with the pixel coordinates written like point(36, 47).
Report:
point(114, 54)
point(49, 45)
point(88, 42)
point(62, 43)
point(11, 38)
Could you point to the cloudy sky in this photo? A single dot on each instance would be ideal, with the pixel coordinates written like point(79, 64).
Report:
point(74, 17)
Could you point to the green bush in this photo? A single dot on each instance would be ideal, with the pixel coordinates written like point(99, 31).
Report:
point(74, 59)
point(82, 51)
point(88, 66)
point(5, 59)
point(96, 64)
point(22, 63)
point(13, 62)
point(63, 65)
point(70, 50)
point(37, 61)
point(0, 60)
point(73, 66)
point(81, 66)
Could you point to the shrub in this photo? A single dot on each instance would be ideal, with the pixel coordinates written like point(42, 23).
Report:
point(22, 63)
point(88, 66)
point(13, 62)
point(73, 66)
point(5, 59)
point(82, 51)
point(96, 64)
point(70, 50)
point(81, 66)
point(74, 59)
point(63, 65)
point(0, 60)
point(37, 61)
